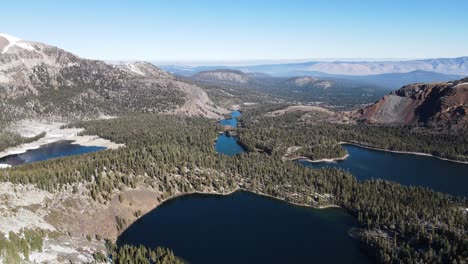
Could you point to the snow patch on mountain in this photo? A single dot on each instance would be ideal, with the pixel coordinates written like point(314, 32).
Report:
point(132, 67)
point(14, 41)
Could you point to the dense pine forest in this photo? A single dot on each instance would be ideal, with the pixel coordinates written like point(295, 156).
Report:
point(9, 139)
point(141, 255)
point(318, 140)
point(397, 224)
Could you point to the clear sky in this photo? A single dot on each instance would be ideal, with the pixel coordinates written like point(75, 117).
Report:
point(205, 30)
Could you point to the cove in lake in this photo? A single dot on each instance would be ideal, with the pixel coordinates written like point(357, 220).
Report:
point(246, 228)
point(226, 144)
point(407, 169)
point(48, 151)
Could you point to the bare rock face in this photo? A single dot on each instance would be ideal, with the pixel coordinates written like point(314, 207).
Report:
point(224, 76)
point(439, 105)
point(38, 80)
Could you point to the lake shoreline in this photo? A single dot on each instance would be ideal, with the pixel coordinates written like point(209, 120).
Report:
point(86, 141)
point(180, 195)
point(331, 160)
point(402, 152)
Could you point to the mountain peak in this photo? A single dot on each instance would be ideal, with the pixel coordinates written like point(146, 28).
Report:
point(10, 38)
point(7, 42)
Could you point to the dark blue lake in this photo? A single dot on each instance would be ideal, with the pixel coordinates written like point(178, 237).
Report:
point(228, 145)
point(407, 169)
point(247, 228)
point(49, 151)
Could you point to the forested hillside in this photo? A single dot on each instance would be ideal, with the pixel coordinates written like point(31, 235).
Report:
point(320, 139)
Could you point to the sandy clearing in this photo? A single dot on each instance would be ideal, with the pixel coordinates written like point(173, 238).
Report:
point(54, 133)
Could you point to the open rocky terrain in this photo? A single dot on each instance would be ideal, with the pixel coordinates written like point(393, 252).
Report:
point(438, 105)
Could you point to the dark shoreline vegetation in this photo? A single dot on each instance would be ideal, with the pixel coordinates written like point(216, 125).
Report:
point(397, 224)
point(10, 139)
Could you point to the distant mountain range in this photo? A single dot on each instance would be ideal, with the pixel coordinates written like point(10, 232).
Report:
point(326, 91)
point(454, 66)
point(389, 74)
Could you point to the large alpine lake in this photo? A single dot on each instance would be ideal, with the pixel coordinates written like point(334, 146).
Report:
point(247, 228)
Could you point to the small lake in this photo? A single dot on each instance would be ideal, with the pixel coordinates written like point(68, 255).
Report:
point(48, 151)
point(226, 144)
point(407, 169)
point(246, 228)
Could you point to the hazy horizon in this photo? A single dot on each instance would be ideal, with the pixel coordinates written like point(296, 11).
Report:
point(280, 61)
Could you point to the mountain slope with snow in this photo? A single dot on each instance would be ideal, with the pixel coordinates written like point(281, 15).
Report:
point(38, 80)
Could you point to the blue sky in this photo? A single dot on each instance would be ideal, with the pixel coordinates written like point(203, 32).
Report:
point(203, 30)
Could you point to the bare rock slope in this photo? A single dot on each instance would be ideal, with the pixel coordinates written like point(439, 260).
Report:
point(439, 105)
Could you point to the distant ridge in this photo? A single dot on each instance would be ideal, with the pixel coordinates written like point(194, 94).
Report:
point(451, 66)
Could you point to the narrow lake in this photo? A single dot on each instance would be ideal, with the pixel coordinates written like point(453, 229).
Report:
point(231, 121)
point(407, 169)
point(247, 228)
point(226, 144)
point(48, 151)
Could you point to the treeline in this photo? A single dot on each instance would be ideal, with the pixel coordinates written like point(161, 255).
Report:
point(140, 255)
point(9, 139)
point(176, 155)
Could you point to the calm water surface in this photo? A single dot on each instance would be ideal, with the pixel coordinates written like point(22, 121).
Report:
point(49, 151)
point(228, 145)
point(231, 121)
point(407, 169)
point(225, 144)
point(247, 228)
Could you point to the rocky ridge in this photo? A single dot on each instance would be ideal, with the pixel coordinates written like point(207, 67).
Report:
point(442, 105)
point(38, 80)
